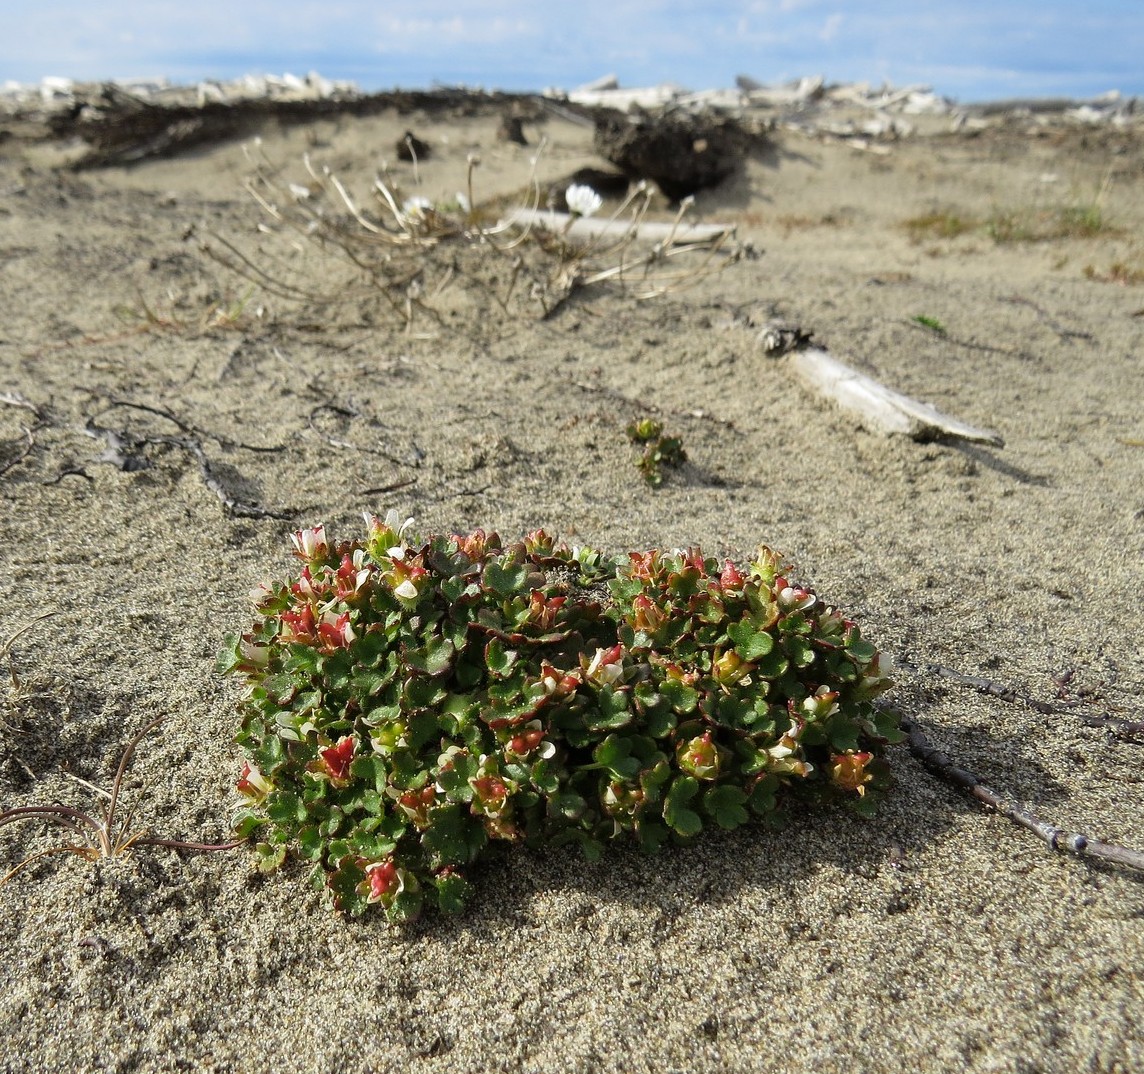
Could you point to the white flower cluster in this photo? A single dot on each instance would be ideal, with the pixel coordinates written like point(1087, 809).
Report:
point(582, 200)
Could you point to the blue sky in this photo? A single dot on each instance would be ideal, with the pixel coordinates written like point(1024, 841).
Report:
point(972, 50)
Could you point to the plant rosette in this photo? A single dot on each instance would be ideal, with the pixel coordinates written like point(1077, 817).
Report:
point(410, 702)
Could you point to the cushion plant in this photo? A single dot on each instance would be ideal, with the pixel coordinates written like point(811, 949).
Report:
point(409, 701)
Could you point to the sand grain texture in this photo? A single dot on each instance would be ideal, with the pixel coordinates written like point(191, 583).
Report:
point(936, 937)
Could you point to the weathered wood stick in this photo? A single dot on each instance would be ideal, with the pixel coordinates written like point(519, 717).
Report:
point(885, 409)
point(646, 230)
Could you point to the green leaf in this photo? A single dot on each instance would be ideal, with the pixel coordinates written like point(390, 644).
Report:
point(452, 838)
point(373, 845)
point(734, 710)
point(771, 666)
point(762, 799)
point(652, 780)
point(498, 659)
point(679, 817)
point(683, 698)
point(750, 643)
point(405, 907)
point(591, 848)
point(651, 835)
point(310, 843)
point(269, 856)
point(468, 674)
point(860, 649)
point(887, 725)
point(247, 822)
point(660, 723)
point(452, 892)
point(283, 807)
point(612, 710)
point(421, 692)
point(269, 755)
point(544, 779)
point(371, 769)
point(454, 779)
point(725, 805)
point(614, 753)
point(800, 651)
point(625, 589)
point(504, 581)
point(568, 805)
point(434, 658)
point(843, 735)
point(343, 883)
point(368, 684)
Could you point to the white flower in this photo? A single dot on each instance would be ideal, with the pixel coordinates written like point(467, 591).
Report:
point(582, 200)
point(406, 591)
point(416, 207)
point(310, 543)
point(606, 666)
point(393, 521)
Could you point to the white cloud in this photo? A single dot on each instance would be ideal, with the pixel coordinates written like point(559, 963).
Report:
point(831, 27)
point(399, 34)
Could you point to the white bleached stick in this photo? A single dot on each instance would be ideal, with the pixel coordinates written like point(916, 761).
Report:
point(885, 409)
point(591, 228)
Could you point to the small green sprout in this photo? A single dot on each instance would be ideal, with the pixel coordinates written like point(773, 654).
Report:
point(659, 450)
point(410, 702)
point(932, 323)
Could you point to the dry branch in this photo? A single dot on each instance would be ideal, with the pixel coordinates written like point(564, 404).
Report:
point(943, 766)
point(645, 231)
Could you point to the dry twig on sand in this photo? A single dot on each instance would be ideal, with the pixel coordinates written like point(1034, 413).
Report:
point(942, 765)
point(407, 253)
point(124, 447)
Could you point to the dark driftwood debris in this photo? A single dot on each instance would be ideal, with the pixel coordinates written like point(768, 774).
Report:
point(682, 152)
point(122, 128)
point(942, 765)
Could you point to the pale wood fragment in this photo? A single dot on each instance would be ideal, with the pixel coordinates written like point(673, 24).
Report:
point(592, 227)
point(886, 410)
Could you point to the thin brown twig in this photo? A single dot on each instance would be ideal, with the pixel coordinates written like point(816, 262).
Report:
point(990, 688)
point(942, 765)
point(6, 648)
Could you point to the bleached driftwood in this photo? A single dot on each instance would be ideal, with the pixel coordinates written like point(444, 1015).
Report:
point(612, 96)
point(789, 94)
point(645, 230)
point(885, 409)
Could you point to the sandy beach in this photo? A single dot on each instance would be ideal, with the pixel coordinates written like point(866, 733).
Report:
point(997, 273)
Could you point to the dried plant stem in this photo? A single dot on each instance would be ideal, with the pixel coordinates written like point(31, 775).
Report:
point(101, 837)
point(7, 646)
point(1006, 693)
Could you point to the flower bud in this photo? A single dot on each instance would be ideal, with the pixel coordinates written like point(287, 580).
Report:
point(253, 784)
point(731, 578)
point(848, 770)
point(699, 757)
